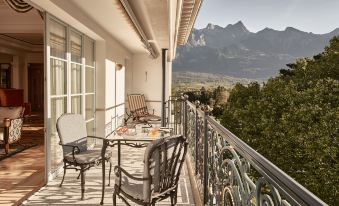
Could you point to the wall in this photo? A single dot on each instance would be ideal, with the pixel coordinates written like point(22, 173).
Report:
point(110, 85)
point(20, 60)
point(145, 77)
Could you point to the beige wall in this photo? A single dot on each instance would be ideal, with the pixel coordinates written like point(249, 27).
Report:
point(145, 77)
point(108, 54)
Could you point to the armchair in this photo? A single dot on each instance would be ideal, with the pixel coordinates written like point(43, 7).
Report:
point(163, 161)
point(11, 120)
point(77, 155)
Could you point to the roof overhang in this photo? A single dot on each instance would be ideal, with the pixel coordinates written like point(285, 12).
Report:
point(189, 12)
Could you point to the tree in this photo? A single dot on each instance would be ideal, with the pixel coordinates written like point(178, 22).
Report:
point(293, 120)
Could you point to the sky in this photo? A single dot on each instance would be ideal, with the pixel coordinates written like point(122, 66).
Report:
point(317, 16)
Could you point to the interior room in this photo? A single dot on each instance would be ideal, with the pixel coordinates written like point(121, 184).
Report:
point(22, 159)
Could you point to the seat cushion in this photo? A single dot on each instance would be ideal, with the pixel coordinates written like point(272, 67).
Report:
point(132, 189)
point(10, 112)
point(150, 117)
point(88, 156)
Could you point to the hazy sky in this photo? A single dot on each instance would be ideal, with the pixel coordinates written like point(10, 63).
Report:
point(317, 16)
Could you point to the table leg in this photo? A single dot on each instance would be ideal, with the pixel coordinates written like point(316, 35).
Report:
point(103, 152)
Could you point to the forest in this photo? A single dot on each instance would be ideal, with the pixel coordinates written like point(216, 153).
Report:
point(292, 119)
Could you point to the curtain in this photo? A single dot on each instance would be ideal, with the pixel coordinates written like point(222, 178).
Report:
point(19, 5)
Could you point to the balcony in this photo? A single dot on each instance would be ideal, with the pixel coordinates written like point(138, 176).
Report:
point(220, 169)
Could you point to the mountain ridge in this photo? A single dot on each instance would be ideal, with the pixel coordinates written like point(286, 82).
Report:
point(234, 50)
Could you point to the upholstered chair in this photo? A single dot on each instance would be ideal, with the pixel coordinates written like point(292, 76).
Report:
point(76, 151)
point(163, 161)
point(11, 120)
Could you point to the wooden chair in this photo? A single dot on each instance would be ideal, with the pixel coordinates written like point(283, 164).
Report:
point(11, 120)
point(77, 155)
point(163, 161)
point(138, 109)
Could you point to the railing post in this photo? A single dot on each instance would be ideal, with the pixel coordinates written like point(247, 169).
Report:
point(205, 157)
point(196, 136)
point(163, 116)
point(185, 115)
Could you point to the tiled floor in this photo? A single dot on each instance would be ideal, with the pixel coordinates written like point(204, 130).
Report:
point(69, 193)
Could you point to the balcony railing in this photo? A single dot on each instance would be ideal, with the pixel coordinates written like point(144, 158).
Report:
point(227, 170)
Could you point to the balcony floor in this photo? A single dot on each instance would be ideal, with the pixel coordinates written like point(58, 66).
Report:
point(69, 193)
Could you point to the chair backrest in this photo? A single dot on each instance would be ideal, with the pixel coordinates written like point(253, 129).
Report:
point(163, 159)
point(72, 130)
point(137, 104)
point(11, 112)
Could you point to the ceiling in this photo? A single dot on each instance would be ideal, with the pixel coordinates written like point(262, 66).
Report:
point(30, 38)
point(14, 22)
point(111, 18)
point(152, 15)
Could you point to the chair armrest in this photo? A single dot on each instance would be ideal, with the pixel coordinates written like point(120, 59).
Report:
point(8, 121)
point(75, 149)
point(95, 137)
point(118, 170)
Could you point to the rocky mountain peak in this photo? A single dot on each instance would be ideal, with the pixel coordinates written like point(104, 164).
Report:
point(239, 26)
point(212, 26)
point(235, 51)
point(292, 29)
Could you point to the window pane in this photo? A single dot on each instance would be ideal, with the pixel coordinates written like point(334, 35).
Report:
point(89, 80)
point(58, 107)
point(76, 105)
point(76, 78)
point(57, 39)
point(89, 106)
point(75, 45)
point(89, 52)
point(58, 77)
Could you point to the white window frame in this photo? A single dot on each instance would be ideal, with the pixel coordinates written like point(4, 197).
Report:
point(68, 94)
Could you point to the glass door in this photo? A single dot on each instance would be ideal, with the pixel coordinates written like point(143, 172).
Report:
point(70, 76)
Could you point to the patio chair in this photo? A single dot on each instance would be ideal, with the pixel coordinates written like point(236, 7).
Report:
point(77, 155)
point(138, 109)
point(11, 120)
point(163, 161)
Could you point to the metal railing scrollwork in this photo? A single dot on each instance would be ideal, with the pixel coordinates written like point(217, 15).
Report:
point(228, 171)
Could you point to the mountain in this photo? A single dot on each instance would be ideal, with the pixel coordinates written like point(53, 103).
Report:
point(235, 51)
point(193, 81)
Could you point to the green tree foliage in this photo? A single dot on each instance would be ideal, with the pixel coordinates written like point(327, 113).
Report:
point(293, 120)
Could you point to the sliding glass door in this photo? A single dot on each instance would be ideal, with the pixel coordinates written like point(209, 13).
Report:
point(70, 77)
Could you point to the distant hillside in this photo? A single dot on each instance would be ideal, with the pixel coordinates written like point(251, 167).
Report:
point(235, 51)
point(194, 81)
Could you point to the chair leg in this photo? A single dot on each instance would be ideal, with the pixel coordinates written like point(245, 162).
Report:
point(82, 174)
point(63, 177)
point(114, 199)
point(109, 175)
point(6, 148)
point(174, 198)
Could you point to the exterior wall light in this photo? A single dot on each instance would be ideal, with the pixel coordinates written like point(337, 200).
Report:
point(118, 67)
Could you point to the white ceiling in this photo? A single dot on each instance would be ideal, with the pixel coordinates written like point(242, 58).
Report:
point(152, 15)
point(110, 17)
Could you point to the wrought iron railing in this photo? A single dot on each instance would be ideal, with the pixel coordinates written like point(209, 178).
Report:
point(227, 170)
